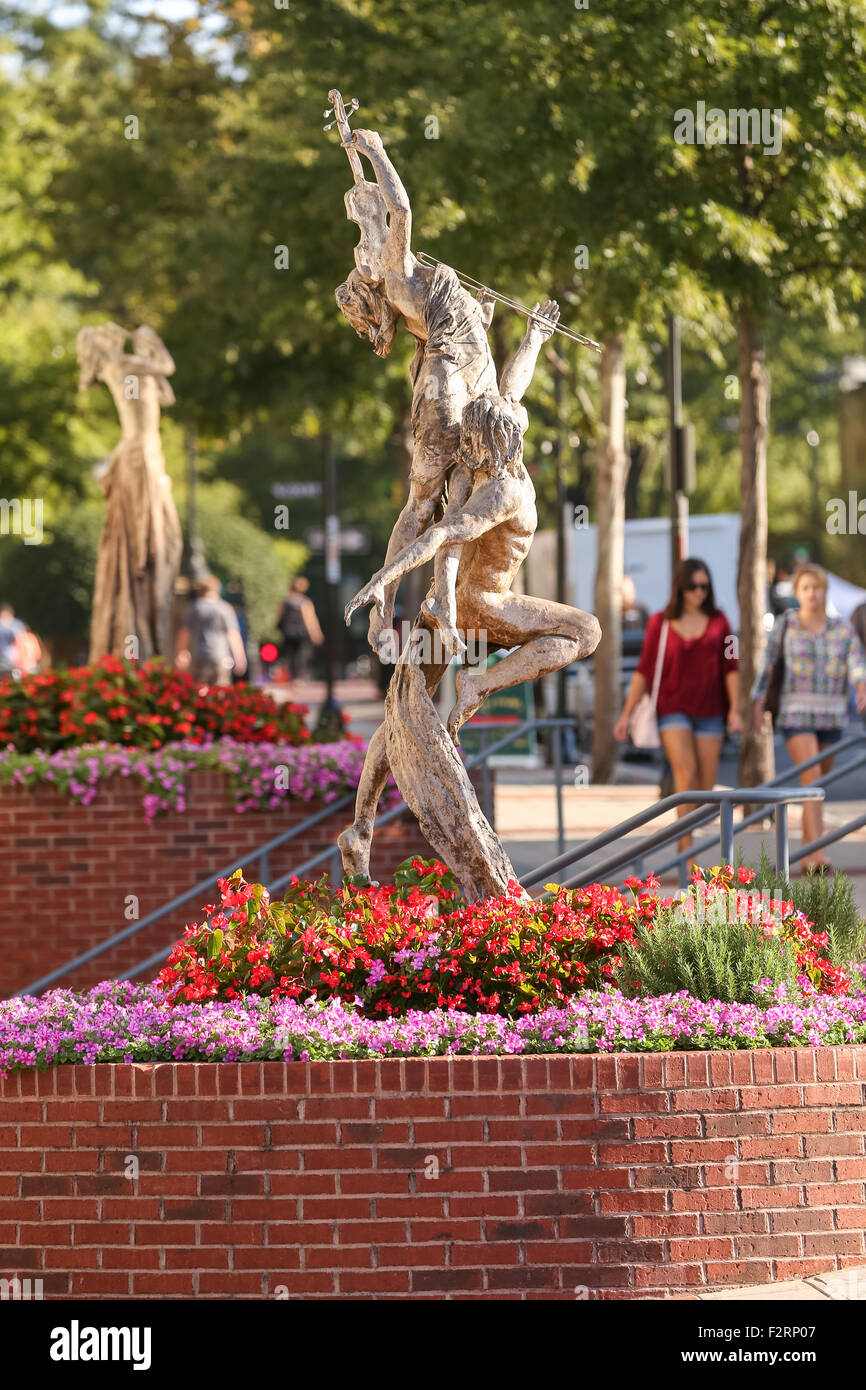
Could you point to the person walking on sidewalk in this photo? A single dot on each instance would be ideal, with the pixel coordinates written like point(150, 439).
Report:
point(298, 625)
point(11, 629)
point(821, 656)
point(210, 644)
point(698, 682)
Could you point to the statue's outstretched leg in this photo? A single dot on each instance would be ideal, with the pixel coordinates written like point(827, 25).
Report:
point(356, 841)
point(546, 636)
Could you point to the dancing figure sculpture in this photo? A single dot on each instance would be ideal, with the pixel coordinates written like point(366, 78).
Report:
point(482, 540)
point(452, 363)
point(468, 457)
point(140, 547)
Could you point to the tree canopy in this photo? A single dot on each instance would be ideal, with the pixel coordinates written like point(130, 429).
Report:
point(175, 172)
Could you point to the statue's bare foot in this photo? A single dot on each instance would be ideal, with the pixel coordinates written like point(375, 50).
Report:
point(355, 850)
point(469, 696)
point(446, 625)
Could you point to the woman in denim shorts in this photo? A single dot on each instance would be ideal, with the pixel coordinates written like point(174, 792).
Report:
point(699, 677)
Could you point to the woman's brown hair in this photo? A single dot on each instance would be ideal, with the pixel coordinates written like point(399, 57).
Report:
point(685, 573)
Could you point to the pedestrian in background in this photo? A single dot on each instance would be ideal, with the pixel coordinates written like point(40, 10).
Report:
point(689, 650)
point(11, 629)
point(820, 657)
point(298, 625)
point(635, 616)
point(27, 651)
point(236, 596)
point(210, 643)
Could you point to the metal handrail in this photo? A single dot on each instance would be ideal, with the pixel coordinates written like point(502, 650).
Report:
point(261, 854)
point(725, 799)
point(837, 773)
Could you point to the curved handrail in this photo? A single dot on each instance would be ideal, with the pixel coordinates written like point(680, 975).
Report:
point(836, 775)
point(260, 854)
point(726, 798)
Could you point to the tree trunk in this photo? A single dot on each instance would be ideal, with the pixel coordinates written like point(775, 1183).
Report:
point(756, 751)
point(610, 518)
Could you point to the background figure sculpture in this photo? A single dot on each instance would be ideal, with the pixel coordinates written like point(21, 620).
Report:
point(140, 547)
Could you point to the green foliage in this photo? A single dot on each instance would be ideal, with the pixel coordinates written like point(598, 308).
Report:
point(711, 959)
point(179, 226)
point(828, 901)
point(51, 585)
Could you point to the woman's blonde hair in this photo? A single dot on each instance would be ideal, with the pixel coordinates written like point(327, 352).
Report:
point(810, 568)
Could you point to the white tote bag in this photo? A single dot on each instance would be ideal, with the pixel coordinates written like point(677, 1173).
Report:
point(643, 726)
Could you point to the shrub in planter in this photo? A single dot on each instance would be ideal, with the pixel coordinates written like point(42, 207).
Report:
point(721, 938)
point(137, 705)
point(410, 945)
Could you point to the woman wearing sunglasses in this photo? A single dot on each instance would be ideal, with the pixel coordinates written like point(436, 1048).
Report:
point(697, 681)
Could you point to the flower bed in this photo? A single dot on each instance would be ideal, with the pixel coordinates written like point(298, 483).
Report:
point(413, 944)
point(137, 705)
point(122, 1022)
point(260, 775)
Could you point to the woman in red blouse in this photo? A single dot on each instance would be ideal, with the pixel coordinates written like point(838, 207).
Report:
point(698, 686)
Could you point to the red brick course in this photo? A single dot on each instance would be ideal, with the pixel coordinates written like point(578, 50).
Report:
point(69, 870)
point(433, 1178)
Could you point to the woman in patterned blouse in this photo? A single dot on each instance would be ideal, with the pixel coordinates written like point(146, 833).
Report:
point(823, 656)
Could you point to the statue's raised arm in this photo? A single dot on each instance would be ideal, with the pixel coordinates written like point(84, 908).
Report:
point(397, 251)
point(364, 202)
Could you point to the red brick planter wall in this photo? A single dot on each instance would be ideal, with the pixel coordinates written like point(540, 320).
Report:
point(591, 1177)
point(68, 870)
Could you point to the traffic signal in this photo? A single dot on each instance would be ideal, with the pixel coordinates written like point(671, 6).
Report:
point(268, 652)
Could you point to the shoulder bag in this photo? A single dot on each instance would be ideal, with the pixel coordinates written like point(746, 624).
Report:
point(777, 677)
point(643, 726)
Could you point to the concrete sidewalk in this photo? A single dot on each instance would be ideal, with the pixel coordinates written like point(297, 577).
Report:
point(525, 814)
point(842, 1285)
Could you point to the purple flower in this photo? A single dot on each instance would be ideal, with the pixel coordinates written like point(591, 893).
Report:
point(117, 1021)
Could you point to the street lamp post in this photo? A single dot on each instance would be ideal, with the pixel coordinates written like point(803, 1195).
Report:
point(332, 577)
point(681, 449)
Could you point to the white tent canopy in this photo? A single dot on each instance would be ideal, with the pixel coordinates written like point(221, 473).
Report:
point(842, 597)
